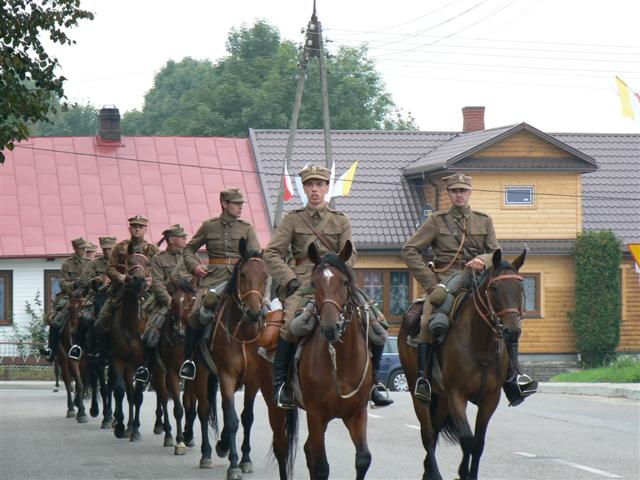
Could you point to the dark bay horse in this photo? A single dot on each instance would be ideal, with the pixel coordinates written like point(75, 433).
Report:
point(237, 327)
point(126, 345)
point(165, 378)
point(474, 362)
point(335, 371)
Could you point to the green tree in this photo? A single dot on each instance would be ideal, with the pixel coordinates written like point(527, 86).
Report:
point(28, 78)
point(254, 86)
point(598, 312)
point(68, 120)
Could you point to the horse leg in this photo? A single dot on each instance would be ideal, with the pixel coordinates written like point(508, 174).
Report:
point(94, 411)
point(278, 422)
point(157, 426)
point(246, 465)
point(129, 389)
point(485, 411)
point(138, 397)
point(204, 414)
point(105, 393)
point(458, 407)
point(166, 426)
point(189, 402)
point(173, 384)
point(81, 416)
point(314, 448)
point(56, 373)
point(118, 393)
point(357, 426)
point(227, 443)
point(66, 379)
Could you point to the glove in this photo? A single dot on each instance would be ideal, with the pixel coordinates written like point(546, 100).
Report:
point(292, 286)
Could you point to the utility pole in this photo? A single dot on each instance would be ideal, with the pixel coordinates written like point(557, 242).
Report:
point(313, 47)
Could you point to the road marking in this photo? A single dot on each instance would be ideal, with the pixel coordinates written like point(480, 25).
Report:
point(570, 464)
point(373, 415)
point(417, 427)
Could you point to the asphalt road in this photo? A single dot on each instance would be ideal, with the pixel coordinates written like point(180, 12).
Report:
point(548, 437)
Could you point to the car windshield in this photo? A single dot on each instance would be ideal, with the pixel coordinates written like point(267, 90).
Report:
point(392, 345)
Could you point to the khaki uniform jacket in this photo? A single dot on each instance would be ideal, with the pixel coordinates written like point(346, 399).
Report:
point(294, 232)
point(72, 269)
point(221, 235)
point(434, 232)
point(117, 260)
point(99, 267)
point(161, 267)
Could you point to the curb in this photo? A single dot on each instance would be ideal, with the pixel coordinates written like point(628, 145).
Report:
point(29, 385)
point(619, 390)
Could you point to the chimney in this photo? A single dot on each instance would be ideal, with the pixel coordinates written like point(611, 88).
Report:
point(472, 119)
point(109, 124)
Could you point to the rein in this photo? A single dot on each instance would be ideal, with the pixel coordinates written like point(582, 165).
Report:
point(489, 315)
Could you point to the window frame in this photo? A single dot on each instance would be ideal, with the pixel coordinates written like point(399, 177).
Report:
point(386, 288)
point(534, 313)
point(48, 297)
point(7, 306)
point(531, 203)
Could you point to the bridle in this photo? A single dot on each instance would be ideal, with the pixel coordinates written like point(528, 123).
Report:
point(345, 312)
point(486, 309)
point(133, 268)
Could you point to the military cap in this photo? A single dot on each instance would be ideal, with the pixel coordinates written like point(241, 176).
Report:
point(107, 242)
point(79, 242)
point(458, 180)
point(232, 194)
point(138, 220)
point(176, 230)
point(313, 171)
point(91, 247)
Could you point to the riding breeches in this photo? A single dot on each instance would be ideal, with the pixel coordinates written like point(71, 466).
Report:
point(425, 335)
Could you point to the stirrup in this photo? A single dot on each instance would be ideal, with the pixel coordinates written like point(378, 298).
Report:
point(188, 370)
point(422, 390)
point(280, 390)
point(141, 375)
point(377, 399)
point(526, 385)
point(75, 352)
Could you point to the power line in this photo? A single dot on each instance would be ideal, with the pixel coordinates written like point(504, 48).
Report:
point(606, 195)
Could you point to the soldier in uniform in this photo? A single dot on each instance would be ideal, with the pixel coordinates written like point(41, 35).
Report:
point(90, 251)
point(74, 278)
point(98, 279)
point(221, 235)
point(295, 234)
point(116, 266)
point(159, 305)
point(443, 231)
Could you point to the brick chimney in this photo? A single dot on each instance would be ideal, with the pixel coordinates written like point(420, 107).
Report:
point(472, 119)
point(109, 124)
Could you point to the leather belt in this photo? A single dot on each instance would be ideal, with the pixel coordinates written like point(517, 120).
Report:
point(457, 265)
point(303, 261)
point(223, 261)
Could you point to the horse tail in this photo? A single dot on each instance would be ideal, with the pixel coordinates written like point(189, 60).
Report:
point(454, 429)
point(212, 391)
point(291, 427)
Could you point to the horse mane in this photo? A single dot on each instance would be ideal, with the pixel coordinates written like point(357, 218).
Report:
point(333, 259)
point(233, 281)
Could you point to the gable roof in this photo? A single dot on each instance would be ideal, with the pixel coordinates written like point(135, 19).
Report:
point(377, 204)
point(54, 189)
point(453, 154)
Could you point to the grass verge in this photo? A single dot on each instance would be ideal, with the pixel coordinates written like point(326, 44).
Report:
point(622, 370)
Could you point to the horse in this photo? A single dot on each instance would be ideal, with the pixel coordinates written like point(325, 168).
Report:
point(474, 360)
point(165, 378)
point(335, 373)
point(126, 345)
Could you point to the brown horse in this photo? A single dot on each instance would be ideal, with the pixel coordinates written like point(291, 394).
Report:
point(335, 371)
point(126, 346)
point(474, 361)
point(165, 378)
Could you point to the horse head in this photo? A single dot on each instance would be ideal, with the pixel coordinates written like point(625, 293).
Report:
point(249, 282)
point(137, 270)
point(504, 294)
point(333, 281)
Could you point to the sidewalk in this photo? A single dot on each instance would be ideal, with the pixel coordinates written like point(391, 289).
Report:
point(623, 390)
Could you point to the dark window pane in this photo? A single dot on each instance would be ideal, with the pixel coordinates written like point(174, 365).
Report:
point(373, 285)
point(399, 293)
point(519, 195)
point(530, 294)
point(3, 286)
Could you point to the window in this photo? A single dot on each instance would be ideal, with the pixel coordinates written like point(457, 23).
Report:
point(390, 289)
point(531, 284)
point(51, 288)
point(6, 296)
point(518, 195)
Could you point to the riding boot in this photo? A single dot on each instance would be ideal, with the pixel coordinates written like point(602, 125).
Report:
point(142, 372)
point(518, 386)
point(423, 387)
point(54, 340)
point(281, 363)
point(377, 398)
point(188, 368)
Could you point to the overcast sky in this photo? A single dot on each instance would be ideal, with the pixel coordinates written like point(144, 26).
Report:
point(549, 63)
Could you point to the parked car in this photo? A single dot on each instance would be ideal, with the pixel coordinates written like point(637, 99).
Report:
point(391, 373)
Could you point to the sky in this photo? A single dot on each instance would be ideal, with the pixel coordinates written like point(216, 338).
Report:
point(550, 63)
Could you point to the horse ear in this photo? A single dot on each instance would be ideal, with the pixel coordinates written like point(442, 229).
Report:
point(312, 253)
point(243, 246)
point(347, 250)
point(517, 263)
point(497, 259)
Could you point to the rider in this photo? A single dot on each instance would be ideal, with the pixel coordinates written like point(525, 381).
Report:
point(159, 305)
point(74, 277)
point(116, 269)
point(90, 251)
point(98, 278)
point(460, 238)
point(222, 238)
point(295, 233)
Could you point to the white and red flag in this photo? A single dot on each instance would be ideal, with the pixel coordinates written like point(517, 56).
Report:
point(288, 186)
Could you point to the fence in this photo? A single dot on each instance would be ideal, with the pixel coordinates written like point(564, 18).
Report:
point(22, 359)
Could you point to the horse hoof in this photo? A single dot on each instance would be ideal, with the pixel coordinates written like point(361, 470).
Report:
point(135, 437)
point(234, 474)
point(206, 462)
point(82, 419)
point(180, 449)
point(157, 429)
point(220, 450)
point(191, 443)
point(246, 467)
point(105, 424)
point(94, 412)
point(128, 432)
point(55, 389)
point(71, 414)
point(168, 442)
point(118, 431)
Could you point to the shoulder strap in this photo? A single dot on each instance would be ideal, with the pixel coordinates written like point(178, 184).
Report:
point(316, 230)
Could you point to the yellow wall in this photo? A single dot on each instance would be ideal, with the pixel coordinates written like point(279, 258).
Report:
point(630, 328)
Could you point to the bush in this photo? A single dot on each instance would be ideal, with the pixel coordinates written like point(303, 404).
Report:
point(598, 312)
point(35, 333)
